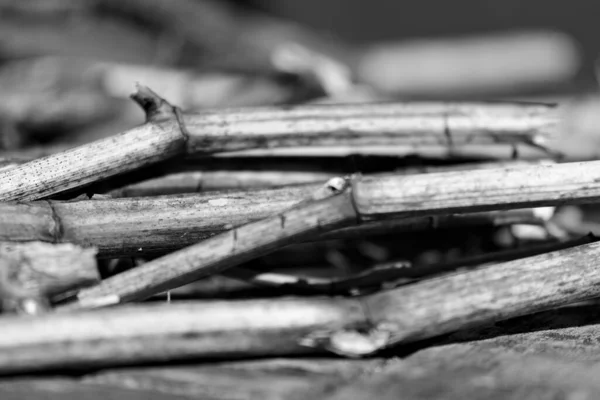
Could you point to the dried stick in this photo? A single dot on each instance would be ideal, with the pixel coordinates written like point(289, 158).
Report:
point(414, 195)
point(168, 133)
point(327, 208)
point(479, 190)
point(160, 138)
point(139, 226)
point(33, 273)
point(210, 173)
point(138, 334)
point(195, 181)
point(483, 295)
point(190, 182)
point(228, 329)
point(389, 124)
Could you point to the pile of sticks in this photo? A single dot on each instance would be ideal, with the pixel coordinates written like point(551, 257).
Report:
point(195, 235)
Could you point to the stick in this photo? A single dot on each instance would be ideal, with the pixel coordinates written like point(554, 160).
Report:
point(182, 331)
point(489, 189)
point(312, 215)
point(140, 226)
point(159, 139)
point(33, 273)
point(213, 173)
point(487, 294)
point(199, 181)
point(167, 133)
point(389, 124)
point(264, 327)
point(196, 181)
point(416, 195)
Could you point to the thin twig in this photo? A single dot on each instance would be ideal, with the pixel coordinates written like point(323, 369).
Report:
point(195, 181)
point(362, 282)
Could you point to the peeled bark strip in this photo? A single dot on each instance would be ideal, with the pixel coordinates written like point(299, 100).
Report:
point(160, 138)
point(32, 273)
point(167, 332)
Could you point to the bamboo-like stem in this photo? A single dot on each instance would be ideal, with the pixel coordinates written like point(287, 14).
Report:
point(139, 226)
point(160, 138)
point(33, 273)
point(314, 214)
point(168, 133)
point(142, 333)
point(499, 291)
point(492, 151)
point(490, 189)
point(389, 124)
point(161, 332)
point(426, 194)
point(195, 181)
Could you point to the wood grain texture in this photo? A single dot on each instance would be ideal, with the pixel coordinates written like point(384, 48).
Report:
point(437, 306)
point(448, 125)
point(248, 178)
point(160, 138)
point(490, 189)
point(223, 251)
point(389, 124)
point(138, 226)
point(167, 332)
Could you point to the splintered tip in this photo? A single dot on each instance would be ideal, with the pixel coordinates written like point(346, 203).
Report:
point(153, 105)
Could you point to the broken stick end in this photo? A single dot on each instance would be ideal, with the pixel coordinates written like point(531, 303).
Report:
point(155, 107)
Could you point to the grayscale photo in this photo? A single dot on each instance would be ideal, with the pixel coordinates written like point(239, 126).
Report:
point(299, 199)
